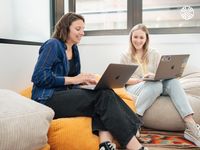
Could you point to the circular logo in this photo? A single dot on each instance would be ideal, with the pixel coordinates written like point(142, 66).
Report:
point(187, 12)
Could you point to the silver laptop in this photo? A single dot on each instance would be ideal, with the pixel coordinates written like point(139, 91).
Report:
point(115, 76)
point(170, 66)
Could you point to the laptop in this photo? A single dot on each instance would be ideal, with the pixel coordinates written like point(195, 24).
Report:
point(115, 76)
point(170, 66)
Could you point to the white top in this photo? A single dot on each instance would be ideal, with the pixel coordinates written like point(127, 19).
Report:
point(154, 58)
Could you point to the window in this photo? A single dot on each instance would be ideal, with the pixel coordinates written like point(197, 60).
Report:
point(160, 16)
point(22, 20)
point(109, 15)
point(171, 13)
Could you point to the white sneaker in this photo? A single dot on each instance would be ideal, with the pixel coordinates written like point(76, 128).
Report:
point(192, 133)
point(107, 146)
point(143, 148)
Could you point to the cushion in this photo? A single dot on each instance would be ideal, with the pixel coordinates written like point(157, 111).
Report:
point(72, 134)
point(23, 123)
point(75, 133)
point(162, 115)
point(127, 98)
point(191, 84)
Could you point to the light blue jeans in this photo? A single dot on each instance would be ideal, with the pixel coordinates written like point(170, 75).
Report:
point(147, 92)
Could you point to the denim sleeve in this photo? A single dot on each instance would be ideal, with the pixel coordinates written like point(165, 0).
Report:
point(43, 75)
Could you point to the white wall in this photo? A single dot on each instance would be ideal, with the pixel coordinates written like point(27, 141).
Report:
point(98, 52)
point(17, 61)
point(16, 65)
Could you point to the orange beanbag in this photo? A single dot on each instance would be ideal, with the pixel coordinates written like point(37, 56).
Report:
point(75, 133)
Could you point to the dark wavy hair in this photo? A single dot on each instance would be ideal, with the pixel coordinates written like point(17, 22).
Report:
point(61, 30)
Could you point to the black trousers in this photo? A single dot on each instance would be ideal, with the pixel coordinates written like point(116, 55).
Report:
point(108, 111)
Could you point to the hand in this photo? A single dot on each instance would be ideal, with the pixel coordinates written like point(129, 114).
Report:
point(86, 78)
point(134, 81)
point(149, 75)
point(137, 81)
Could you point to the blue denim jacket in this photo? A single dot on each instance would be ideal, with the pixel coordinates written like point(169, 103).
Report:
point(51, 67)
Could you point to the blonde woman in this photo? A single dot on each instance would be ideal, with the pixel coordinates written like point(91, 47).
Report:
point(147, 91)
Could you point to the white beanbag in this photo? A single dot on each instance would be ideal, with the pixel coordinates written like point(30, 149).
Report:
point(23, 123)
point(162, 115)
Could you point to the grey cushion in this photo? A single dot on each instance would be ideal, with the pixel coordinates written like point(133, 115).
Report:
point(162, 115)
point(23, 123)
point(191, 84)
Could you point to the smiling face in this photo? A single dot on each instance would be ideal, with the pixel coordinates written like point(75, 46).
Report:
point(76, 31)
point(138, 39)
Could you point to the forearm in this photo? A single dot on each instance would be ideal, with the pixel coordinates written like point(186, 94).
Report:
point(133, 81)
point(70, 80)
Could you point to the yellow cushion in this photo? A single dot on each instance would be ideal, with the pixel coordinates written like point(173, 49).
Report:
point(26, 92)
point(72, 134)
point(126, 97)
point(46, 147)
point(75, 133)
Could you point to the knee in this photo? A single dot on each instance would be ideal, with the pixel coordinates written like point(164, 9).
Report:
point(107, 92)
point(156, 87)
point(173, 82)
point(105, 97)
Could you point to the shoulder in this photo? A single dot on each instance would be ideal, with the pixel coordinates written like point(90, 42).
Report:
point(53, 45)
point(125, 57)
point(125, 54)
point(54, 42)
point(153, 53)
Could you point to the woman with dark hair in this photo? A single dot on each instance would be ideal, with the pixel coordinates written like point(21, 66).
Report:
point(56, 79)
point(148, 91)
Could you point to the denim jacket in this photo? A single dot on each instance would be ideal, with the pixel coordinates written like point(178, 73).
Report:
point(51, 67)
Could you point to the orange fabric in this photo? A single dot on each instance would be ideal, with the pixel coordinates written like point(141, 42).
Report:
point(75, 133)
point(126, 97)
point(46, 147)
point(72, 134)
point(26, 92)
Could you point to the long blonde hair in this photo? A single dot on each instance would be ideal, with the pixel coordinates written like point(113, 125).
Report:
point(132, 49)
